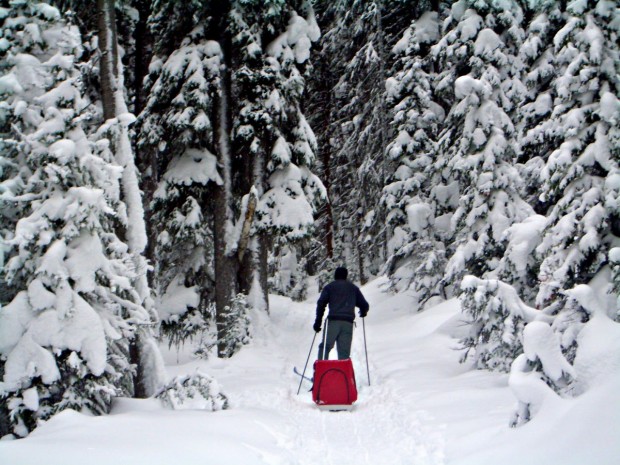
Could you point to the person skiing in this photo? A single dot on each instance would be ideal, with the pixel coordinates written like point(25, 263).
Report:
point(342, 296)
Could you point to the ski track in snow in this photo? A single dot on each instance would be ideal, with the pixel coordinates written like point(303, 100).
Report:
point(379, 430)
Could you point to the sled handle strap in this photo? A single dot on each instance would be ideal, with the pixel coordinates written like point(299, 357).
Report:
point(306, 365)
point(366, 349)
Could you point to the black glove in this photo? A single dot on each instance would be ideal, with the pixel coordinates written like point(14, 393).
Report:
point(317, 326)
point(363, 314)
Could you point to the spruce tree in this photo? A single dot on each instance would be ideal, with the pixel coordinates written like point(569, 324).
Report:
point(578, 176)
point(176, 131)
point(417, 254)
point(479, 55)
point(73, 311)
point(353, 128)
point(273, 141)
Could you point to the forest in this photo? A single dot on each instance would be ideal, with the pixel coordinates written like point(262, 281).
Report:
point(166, 166)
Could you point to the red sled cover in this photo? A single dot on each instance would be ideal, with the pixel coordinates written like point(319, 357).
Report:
point(334, 382)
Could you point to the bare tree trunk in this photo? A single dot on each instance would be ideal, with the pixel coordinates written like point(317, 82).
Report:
point(145, 160)
point(226, 262)
point(143, 44)
point(109, 55)
point(264, 244)
point(383, 122)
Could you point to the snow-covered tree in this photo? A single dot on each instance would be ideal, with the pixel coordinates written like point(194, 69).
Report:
point(477, 144)
point(532, 372)
point(197, 391)
point(568, 352)
point(238, 327)
point(272, 42)
point(416, 255)
point(496, 317)
point(144, 351)
point(230, 148)
point(176, 130)
point(351, 119)
point(579, 177)
point(65, 333)
point(539, 70)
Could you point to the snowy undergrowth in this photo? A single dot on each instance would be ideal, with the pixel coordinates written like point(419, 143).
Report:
point(422, 407)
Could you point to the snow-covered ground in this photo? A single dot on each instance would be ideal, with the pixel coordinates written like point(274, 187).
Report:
point(422, 406)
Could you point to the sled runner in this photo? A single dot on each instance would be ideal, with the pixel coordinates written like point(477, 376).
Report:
point(334, 386)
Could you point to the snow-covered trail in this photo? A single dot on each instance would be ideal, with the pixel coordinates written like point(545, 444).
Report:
point(382, 428)
point(422, 408)
point(267, 422)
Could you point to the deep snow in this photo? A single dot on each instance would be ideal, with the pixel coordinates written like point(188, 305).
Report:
point(422, 407)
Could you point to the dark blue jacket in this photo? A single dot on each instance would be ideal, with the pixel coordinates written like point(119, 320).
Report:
point(342, 296)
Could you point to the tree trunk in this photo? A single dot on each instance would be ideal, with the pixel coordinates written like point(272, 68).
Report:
point(143, 55)
point(114, 105)
point(383, 122)
point(108, 47)
point(145, 160)
point(261, 265)
point(226, 262)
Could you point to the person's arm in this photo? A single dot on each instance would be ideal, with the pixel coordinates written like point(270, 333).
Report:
point(361, 303)
point(320, 308)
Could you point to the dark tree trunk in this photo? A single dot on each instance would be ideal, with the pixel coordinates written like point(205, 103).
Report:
point(139, 390)
point(143, 53)
point(264, 244)
point(146, 160)
point(108, 64)
point(225, 262)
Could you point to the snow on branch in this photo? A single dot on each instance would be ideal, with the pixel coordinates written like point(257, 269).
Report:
point(497, 316)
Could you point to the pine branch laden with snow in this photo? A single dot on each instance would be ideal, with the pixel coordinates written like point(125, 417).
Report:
point(480, 158)
point(237, 323)
point(197, 391)
point(568, 355)
point(519, 265)
point(290, 191)
point(496, 317)
point(417, 256)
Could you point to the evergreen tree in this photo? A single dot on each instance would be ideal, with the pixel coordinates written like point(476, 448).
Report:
point(496, 317)
point(271, 134)
point(228, 96)
point(66, 330)
point(177, 132)
point(578, 179)
point(539, 70)
point(349, 112)
point(417, 255)
point(478, 142)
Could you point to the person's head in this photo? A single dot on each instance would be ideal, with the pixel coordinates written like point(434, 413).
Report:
point(341, 273)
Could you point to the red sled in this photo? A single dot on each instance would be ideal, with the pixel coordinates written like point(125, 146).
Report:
point(334, 385)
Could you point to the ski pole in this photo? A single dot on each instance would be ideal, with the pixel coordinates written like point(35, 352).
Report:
point(366, 349)
point(325, 338)
point(306, 365)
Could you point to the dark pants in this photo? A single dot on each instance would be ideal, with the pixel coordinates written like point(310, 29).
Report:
point(341, 334)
